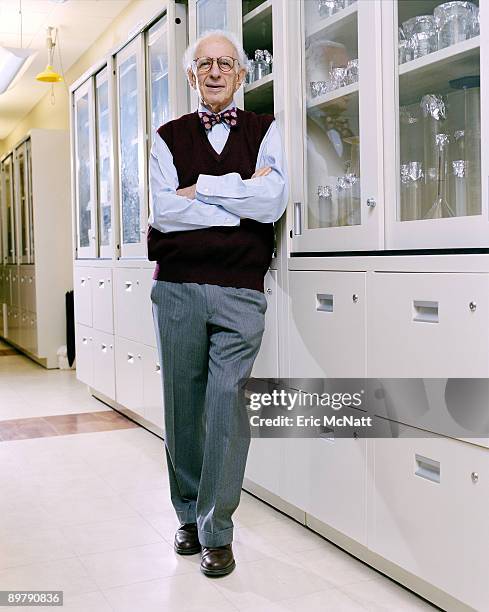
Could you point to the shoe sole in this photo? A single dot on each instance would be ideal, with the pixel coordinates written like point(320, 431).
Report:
point(187, 551)
point(219, 572)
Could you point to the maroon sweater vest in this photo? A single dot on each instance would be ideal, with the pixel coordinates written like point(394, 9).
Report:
point(237, 256)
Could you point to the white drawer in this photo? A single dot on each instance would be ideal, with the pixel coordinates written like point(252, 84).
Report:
point(82, 281)
point(337, 494)
point(327, 324)
point(30, 290)
point(23, 327)
point(422, 325)
point(14, 286)
point(103, 363)
point(264, 463)
point(128, 303)
point(266, 362)
point(31, 335)
point(428, 514)
point(129, 374)
point(84, 354)
point(152, 386)
point(102, 301)
point(147, 331)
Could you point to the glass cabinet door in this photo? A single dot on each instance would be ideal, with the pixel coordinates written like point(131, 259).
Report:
point(103, 157)
point(131, 105)
point(21, 202)
point(30, 203)
point(9, 215)
point(436, 182)
point(157, 76)
point(338, 200)
point(84, 171)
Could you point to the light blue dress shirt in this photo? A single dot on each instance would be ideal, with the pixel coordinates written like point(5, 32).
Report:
point(219, 200)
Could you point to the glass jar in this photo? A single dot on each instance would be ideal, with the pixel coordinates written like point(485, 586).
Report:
point(455, 21)
point(262, 66)
point(421, 34)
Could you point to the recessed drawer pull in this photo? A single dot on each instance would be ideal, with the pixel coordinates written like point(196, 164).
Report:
point(130, 358)
point(104, 348)
point(425, 311)
point(84, 339)
point(128, 285)
point(324, 302)
point(427, 468)
point(158, 368)
point(101, 284)
point(83, 281)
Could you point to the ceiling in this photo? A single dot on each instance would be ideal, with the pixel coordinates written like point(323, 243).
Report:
point(79, 23)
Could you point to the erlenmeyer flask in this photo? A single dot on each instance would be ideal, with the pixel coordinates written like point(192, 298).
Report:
point(441, 208)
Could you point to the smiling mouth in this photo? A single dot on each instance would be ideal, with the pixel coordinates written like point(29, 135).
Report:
point(215, 86)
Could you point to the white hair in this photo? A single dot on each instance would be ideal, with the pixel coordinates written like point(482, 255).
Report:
point(188, 56)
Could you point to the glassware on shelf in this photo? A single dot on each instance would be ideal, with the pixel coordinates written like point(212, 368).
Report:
point(327, 8)
point(470, 143)
point(326, 213)
point(412, 176)
point(404, 47)
point(251, 74)
point(421, 33)
point(458, 171)
point(441, 208)
point(318, 88)
point(352, 72)
point(338, 77)
point(456, 21)
point(262, 63)
point(269, 59)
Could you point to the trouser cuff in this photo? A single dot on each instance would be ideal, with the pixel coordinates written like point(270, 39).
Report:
point(220, 538)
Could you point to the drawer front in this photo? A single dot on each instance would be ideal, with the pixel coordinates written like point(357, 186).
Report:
point(266, 363)
point(147, 331)
point(23, 327)
point(264, 463)
point(82, 279)
point(129, 374)
point(428, 325)
point(31, 335)
point(429, 513)
point(327, 324)
point(152, 386)
point(128, 303)
point(15, 286)
point(30, 290)
point(102, 300)
point(84, 353)
point(337, 494)
point(103, 363)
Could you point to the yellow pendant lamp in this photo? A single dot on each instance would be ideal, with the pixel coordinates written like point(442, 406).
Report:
point(48, 75)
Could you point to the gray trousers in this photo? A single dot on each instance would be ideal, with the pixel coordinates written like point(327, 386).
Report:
point(208, 337)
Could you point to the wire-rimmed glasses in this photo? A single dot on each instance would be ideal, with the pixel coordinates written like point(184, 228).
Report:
point(204, 64)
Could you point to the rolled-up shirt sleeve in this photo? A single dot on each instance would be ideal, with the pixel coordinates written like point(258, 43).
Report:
point(171, 212)
point(263, 198)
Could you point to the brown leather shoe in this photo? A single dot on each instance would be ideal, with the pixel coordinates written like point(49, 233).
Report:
point(217, 561)
point(187, 539)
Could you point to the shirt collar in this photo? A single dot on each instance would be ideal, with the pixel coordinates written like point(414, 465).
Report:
point(204, 109)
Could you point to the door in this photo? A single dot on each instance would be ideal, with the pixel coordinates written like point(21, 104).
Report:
point(435, 115)
point(9, 216)
point(85, 191)
point(22, 202)
point(337, 94)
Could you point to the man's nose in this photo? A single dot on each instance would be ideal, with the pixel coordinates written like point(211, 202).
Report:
point(215, 72)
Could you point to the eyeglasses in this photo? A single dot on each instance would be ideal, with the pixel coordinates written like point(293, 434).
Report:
point(204, 64)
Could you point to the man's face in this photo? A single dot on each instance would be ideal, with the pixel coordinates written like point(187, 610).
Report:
point(215, 88)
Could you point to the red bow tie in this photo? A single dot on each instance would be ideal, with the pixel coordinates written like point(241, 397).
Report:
point(209, 120)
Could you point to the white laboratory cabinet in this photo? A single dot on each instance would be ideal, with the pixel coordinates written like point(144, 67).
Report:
point(35, 268)
point(381, 266)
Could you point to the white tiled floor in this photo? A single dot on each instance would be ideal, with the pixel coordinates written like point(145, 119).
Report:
point(90, 514)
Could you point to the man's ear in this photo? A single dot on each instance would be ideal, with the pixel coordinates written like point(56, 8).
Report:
point(191, 78)
point(241, 78)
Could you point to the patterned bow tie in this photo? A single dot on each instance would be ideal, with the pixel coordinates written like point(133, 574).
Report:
point(209, 120)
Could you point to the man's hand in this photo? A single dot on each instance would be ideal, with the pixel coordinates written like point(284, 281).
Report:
point(187, 192)
point(262, 172)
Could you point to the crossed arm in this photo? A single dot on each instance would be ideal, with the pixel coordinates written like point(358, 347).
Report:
point(218, 200)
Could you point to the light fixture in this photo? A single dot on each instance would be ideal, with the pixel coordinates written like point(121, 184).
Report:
point(48, 75)
point(13, 63)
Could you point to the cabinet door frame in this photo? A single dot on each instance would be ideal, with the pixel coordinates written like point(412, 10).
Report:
point(134, 48)
point(369, 235)
point(234, 23)
point(22, 216)
point(30, 203)
point(460, 232)
point(9, 215)
point(88, 252)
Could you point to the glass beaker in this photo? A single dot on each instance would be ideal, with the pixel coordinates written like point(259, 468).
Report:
point(441, 208)
point(455, 21)
point(460, 187)
point(326, 214)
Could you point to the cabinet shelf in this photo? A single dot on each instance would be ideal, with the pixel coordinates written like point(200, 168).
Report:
point(262, 84)
point(335, 25)
point(259, 95)
point(332, 96)
point(258, 13)
point(433, 72)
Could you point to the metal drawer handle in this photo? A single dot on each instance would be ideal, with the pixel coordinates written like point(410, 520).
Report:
point(472, 306)
point(324, 302)
point(427, 468)
point(475, 477)
point(425, 311)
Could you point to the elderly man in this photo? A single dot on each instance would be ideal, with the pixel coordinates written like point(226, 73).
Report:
point(218, 182)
